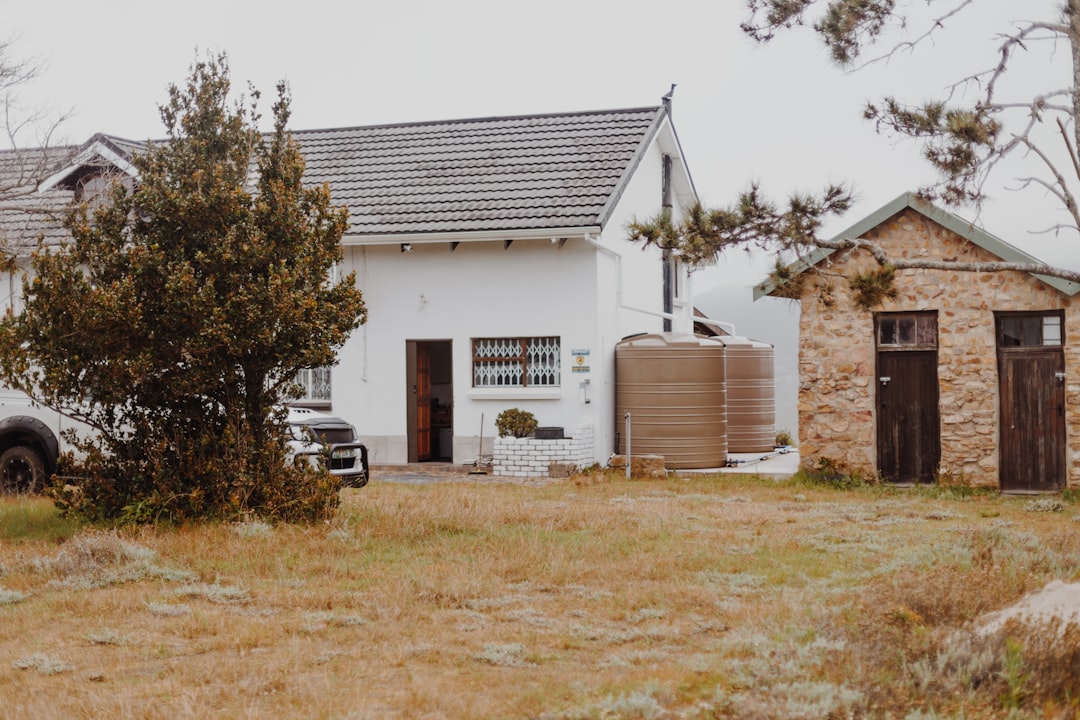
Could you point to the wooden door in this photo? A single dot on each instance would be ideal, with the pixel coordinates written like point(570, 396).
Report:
point(1032, 448)
point(418, 392)
point(908, 418)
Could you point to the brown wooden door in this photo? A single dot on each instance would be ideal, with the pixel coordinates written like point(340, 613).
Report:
point(1032, 445)
point(418, 392)
point(908, 418)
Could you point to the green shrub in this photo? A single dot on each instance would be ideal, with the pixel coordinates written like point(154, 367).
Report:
point(515, 423)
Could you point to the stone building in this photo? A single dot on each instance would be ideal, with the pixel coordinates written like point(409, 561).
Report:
point(964, 377)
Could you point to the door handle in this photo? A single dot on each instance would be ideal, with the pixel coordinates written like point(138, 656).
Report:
point(884, 379)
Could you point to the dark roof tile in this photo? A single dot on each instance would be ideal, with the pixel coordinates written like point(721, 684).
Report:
point(538, 171)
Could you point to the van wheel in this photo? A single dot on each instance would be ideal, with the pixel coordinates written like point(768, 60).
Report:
point(22, 470)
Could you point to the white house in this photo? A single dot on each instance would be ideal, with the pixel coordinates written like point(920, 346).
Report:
point(494, 260)
point(495, 265)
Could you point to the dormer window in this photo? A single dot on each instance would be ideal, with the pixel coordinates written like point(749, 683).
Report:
point(90, 173)
point(91, 187)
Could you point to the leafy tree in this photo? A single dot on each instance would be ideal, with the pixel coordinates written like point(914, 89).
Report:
point(176, 319)
point(965, 136)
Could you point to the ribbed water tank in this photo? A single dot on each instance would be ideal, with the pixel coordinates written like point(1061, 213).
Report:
point(751, 395)
point(674, 387)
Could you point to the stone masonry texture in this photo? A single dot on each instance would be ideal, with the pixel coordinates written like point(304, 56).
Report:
point(837, 353)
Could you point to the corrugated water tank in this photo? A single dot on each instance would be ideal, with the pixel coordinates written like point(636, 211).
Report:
point(674, 387)
point(751, 395)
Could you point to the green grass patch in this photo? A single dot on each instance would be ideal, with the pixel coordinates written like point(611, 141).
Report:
point(30, 518)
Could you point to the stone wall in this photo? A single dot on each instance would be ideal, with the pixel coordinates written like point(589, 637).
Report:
point(837, 352)
point(529, 457)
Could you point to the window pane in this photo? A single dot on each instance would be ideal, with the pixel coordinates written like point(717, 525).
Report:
point(314, 384)
point(1032, 331)
point(907, 331)
point(927, 331)
point(1012, 334)
point(1051, 331)
point(542, 361)
point(887, 330)
point(497, 374)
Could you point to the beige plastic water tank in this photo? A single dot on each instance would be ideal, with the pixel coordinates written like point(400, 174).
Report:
point(674, 387)
point(751, 395)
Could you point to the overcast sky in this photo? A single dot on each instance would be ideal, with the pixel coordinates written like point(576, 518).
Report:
point(781, 114)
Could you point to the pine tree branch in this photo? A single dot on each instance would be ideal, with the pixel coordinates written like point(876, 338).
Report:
point(884, 259)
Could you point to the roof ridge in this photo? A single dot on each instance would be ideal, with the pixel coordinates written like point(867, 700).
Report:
point(490, 118)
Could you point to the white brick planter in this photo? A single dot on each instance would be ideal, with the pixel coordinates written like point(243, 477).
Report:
point(529, 457)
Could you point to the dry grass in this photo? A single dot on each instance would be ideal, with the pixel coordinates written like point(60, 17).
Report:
point(704, 598)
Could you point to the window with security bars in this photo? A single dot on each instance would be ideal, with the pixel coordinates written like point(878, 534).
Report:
point(516, 362)
point(314, 385)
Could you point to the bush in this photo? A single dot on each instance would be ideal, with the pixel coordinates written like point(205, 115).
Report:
point(515, 423)
point(210, 478)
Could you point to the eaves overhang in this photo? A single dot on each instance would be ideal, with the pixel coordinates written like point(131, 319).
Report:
point(466, 236)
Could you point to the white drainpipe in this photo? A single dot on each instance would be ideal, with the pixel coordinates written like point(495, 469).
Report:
point(619, 281)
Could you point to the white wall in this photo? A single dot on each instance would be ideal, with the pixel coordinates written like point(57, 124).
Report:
point(532, 288)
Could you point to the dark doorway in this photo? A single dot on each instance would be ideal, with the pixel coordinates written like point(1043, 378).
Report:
point(1031, 376)
point(430, 397)
point(908, 415)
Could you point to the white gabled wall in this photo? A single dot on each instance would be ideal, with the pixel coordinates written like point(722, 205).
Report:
point(630, 277)
point(591, 292)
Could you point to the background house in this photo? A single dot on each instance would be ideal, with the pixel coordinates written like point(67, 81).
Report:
point(963, 375)
point(493, 258)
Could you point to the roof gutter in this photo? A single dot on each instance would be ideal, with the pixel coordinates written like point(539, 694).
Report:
point(428, 238)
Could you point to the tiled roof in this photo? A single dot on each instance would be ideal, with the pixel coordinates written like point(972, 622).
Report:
point(26, 215)
point(503, 173)
point(539, 171)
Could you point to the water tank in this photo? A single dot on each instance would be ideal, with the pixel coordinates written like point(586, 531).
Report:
point(751, 395)
point(673, 385)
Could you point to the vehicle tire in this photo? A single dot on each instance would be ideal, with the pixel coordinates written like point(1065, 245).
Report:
point(22, 470)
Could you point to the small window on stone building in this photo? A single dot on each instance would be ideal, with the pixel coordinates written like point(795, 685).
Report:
point(1030, 329)
point(907, 331)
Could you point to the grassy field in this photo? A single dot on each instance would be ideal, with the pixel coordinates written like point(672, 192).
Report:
point(587, 598)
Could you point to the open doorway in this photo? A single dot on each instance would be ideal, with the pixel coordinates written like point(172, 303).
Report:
point(430, 398)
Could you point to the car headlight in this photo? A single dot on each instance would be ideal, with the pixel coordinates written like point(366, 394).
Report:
point(343, 453)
